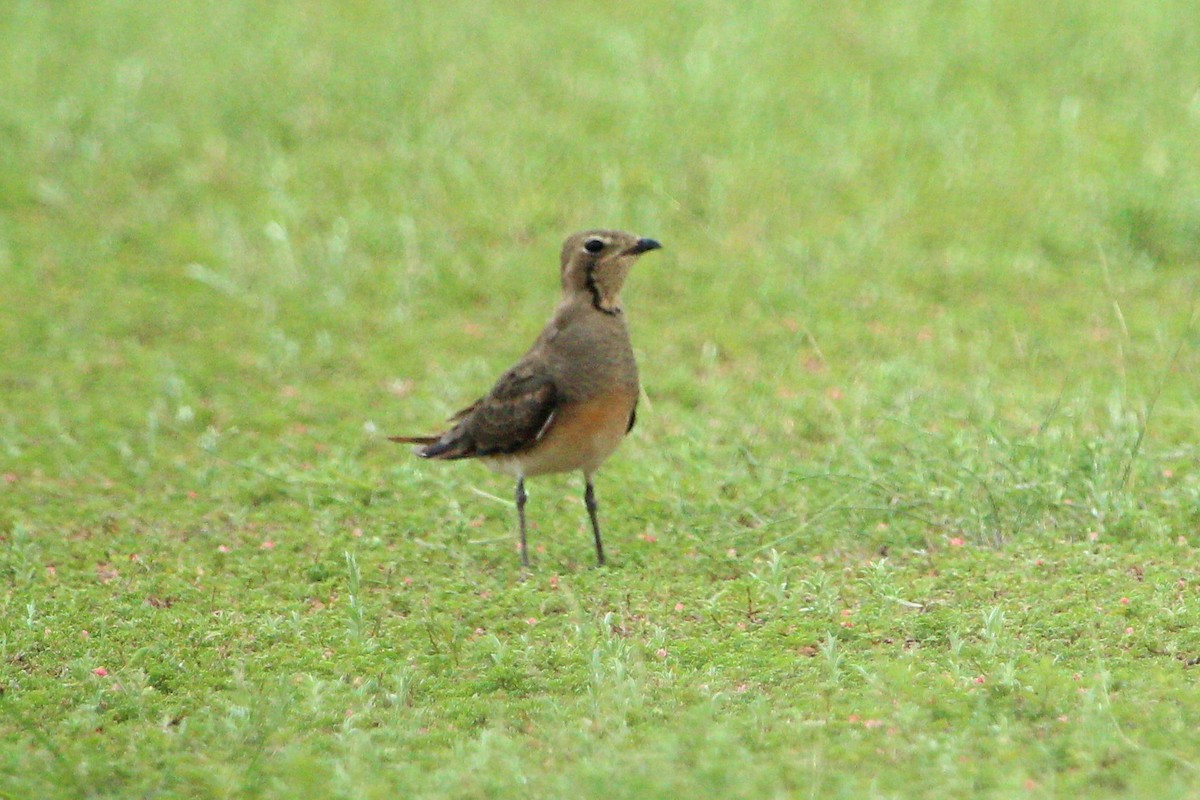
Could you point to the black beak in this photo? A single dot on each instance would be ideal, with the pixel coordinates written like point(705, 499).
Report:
point(643, 246)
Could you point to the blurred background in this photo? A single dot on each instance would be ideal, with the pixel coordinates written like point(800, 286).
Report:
point(260, 236)
point(912, 501)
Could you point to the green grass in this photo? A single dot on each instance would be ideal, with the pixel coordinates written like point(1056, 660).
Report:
point(913, 504)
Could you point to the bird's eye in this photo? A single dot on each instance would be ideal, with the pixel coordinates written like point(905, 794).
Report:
point(593, 245)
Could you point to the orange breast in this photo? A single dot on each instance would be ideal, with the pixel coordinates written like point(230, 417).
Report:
point(581, 437)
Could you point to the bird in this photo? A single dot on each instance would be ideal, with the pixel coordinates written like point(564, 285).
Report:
point(572, 397)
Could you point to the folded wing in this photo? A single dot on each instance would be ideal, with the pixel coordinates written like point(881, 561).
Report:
point(514, 415)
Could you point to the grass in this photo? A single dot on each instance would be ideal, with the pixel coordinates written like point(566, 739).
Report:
point(912, 506)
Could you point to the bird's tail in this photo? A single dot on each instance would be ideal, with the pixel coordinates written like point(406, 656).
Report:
point(413, 439)
point(432, 446)
point(423, 443)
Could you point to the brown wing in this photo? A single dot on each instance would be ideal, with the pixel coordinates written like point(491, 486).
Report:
point(514, 415)
point(463, 412)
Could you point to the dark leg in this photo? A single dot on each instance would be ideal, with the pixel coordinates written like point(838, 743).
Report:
point(589, 500)
point(521, 516)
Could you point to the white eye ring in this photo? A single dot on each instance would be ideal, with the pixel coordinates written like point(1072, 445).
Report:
point(593, 245)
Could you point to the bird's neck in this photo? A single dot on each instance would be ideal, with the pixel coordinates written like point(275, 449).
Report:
point(594, 297)
point(600, 288)
point(604, 288)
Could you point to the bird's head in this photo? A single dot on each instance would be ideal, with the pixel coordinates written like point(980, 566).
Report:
point(595, 263)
